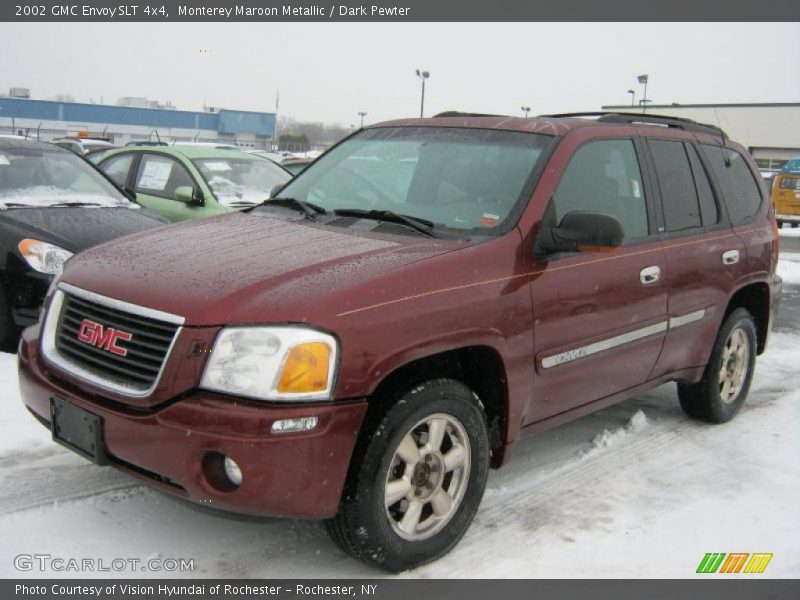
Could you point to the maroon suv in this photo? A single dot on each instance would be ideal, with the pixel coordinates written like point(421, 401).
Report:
point(364, 346)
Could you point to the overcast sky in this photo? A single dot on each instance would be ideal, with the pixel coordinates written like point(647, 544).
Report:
point(331, 71)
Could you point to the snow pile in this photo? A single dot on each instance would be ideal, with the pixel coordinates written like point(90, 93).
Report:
point(789, 268)
point(608, 438)
point(789, 232)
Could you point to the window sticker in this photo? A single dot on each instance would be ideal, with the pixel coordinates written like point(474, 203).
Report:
point(155, 175)
point(637, 192)
point(489, 220)
point(217, 165)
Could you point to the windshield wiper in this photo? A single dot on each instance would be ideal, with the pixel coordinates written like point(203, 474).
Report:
point(310, 209)
point(421, 225)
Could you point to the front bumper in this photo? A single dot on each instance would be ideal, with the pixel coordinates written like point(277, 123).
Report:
point(171, 448)
point(787, 218)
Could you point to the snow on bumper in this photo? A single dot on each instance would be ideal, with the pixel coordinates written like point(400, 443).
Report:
point(173, 448)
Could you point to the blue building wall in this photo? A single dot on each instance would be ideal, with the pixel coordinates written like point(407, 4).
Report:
point(225, 121)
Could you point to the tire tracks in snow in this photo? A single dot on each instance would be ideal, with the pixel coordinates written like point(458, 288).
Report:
point(43, 483)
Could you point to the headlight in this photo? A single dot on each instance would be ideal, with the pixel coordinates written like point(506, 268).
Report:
point(43, 257)
point(272, 363)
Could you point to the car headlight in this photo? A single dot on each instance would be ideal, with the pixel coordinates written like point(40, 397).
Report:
point(43, 256)
point(272, 363)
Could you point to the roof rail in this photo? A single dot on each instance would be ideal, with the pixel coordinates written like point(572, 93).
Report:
point(632, 118)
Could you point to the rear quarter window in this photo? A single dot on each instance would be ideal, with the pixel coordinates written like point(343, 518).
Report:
point(739, 188)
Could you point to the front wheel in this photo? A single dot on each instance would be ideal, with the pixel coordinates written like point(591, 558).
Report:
point(417, 478)
point(719, 395)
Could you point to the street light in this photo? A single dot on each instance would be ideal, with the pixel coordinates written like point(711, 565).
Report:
point(525, 110)
point(422, 75)
point(633, 97)
point(643, 80)
point(362, 115)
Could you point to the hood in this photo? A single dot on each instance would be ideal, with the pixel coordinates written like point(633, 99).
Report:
point(77, 228)
point(243, 268)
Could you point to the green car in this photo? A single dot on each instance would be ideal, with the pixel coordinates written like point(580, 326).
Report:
point(189, 182)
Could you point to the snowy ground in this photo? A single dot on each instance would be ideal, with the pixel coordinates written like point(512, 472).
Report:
point(636, 490)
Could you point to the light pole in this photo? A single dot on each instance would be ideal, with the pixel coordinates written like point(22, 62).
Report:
point(422, 75)
point(525, 110)
point(643, 80)
point(362, 115)
point(633, 97)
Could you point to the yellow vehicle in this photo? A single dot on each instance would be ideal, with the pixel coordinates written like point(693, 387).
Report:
point(786, 198)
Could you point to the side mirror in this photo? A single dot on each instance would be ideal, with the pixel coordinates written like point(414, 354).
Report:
point(581, 231)
point(187, 194)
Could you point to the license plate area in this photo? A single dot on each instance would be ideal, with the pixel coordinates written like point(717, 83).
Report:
point(79, 430)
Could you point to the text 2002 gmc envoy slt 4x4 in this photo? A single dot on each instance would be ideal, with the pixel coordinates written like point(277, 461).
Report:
point(364, 346)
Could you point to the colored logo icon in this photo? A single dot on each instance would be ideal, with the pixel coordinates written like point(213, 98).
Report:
point(734, 562)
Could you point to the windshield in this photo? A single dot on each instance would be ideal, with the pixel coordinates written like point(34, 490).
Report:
point(241, 181)
point(36, 178)
point(459, 179)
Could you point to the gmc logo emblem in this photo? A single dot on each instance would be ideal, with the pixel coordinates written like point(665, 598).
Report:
point(105, 338)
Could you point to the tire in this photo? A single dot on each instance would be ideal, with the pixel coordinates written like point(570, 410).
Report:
point(780, 224)
point(720, 394)
point(388, 537)
point(795, 225)
point(8, 330)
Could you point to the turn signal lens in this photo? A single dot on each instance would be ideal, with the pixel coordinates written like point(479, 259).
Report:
point(305, 369)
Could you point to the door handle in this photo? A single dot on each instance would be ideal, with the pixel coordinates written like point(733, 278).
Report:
point(731, 257)
point(649, 275)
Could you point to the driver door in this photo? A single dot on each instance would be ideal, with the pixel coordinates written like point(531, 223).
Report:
point(156, 180)
point(599, 317)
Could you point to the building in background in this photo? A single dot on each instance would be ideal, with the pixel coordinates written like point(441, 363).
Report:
point(771, 132)
point(144, 121)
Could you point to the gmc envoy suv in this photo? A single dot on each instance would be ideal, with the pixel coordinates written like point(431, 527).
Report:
point(365, 345)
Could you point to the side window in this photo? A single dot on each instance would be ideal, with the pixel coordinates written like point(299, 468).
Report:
point(161, 176)
point(117, 168)
point(739, 188)
point(678, 193)
point(708, 204)
point(604, 177)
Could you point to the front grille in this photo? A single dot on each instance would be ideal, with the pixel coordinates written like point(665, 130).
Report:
point(101, 354)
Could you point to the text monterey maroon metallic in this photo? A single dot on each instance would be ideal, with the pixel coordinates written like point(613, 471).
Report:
point(363, 347)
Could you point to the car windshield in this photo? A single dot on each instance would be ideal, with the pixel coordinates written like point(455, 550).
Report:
point(37, 178)
point(467, 180)
point(241, 181)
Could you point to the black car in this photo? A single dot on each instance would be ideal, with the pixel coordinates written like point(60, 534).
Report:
point(53, 204)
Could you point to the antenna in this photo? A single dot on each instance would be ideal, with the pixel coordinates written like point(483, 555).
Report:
point(725, 155)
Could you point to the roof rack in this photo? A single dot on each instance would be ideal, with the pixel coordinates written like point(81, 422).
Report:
point(456, 113)
point(668, 121)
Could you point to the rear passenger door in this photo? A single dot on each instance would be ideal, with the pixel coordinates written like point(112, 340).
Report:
point(701, 252)
point(599, 318)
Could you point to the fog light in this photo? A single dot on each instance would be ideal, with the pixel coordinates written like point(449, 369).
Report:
point(232, 471)
point(294, 425)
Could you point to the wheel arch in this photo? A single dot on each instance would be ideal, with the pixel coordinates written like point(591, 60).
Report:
point(755, 298)
point(479, 367)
